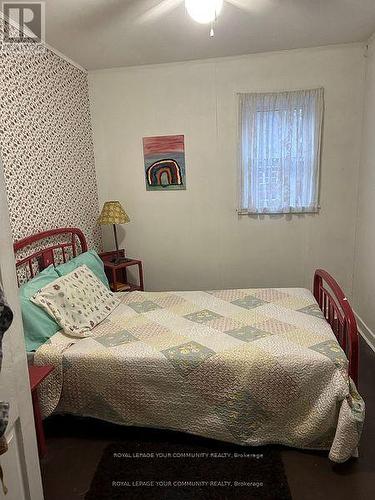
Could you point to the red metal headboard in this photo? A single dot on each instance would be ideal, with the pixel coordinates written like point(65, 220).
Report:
point(340, 316)
point(65, 241)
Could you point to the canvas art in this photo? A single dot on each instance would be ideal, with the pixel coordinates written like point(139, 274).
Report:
point(164, 162)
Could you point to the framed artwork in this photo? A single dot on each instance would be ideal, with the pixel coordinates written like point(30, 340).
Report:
point(164, 158)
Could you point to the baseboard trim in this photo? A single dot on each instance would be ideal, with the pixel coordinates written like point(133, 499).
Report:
point(366, 333)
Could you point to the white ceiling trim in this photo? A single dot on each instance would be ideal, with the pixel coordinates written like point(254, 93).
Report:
point(230, 58)
point(44, 43)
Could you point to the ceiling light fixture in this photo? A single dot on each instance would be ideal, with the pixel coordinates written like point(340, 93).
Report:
point(204, 11)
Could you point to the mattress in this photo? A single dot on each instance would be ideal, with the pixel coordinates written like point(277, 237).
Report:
point(248, 366)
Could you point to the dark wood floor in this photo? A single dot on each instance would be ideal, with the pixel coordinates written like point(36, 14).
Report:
point(75, 447)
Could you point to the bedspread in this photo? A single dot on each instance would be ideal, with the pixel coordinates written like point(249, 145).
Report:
point(249, 366)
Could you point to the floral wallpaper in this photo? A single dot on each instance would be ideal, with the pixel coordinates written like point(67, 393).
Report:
point(46, 144)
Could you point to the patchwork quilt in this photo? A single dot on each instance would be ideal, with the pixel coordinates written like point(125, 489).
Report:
point(249, 366)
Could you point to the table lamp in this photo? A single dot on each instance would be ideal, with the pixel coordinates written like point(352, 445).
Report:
point(113, 213)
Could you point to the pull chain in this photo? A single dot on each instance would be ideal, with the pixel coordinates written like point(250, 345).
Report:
point(213, 24)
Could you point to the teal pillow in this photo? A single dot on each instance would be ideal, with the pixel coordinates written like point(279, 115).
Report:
point(92, 261)
point(38, 327)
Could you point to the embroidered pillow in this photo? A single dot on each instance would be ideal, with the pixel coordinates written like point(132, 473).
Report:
point(77, 301)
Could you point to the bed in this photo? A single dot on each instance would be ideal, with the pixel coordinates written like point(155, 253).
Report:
point(248, 366)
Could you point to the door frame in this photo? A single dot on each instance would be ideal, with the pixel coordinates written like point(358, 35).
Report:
point(14, 379)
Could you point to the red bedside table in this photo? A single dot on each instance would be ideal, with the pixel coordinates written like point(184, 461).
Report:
point(37, 374)
point(116, 273)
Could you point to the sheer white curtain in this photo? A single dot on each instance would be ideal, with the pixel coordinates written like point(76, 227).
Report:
point(279, 151)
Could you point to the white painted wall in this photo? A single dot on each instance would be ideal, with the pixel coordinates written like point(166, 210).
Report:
point(364, 276)
point(193, 239)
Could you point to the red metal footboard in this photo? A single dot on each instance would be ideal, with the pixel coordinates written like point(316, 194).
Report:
point(337, 311)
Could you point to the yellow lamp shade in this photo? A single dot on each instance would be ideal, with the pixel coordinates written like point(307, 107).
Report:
point(113, 213)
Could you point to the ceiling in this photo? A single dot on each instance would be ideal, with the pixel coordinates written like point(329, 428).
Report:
point(109, 33)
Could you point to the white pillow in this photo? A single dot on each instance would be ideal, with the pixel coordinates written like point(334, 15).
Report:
point(77, 301)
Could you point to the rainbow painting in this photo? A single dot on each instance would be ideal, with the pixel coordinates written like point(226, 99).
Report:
point(164, 162)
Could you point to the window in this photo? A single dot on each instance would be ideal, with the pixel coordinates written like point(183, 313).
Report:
point(279, 140)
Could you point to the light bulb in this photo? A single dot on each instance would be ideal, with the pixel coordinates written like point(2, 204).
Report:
point(204, 11)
